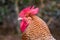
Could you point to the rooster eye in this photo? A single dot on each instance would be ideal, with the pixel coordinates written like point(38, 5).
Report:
point(27, 15)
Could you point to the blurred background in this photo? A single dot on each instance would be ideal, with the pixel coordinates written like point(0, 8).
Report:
point(9, 10)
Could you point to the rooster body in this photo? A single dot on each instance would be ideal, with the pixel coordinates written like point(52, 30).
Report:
point(36, 29)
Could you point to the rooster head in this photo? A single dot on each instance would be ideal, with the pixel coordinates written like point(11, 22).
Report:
point(24, 14)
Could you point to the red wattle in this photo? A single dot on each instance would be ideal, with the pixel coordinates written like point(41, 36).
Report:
point(23, 25)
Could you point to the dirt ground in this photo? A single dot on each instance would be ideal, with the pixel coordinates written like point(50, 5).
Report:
point(9, 37)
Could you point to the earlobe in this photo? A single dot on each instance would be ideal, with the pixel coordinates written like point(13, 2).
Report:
point(29, 20)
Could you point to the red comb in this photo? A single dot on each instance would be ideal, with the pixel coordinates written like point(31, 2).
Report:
point(29, 9)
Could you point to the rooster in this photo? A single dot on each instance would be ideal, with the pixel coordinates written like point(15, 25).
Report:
point(33, 27)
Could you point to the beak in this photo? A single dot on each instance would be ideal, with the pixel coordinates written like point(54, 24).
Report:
point(19, 18)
